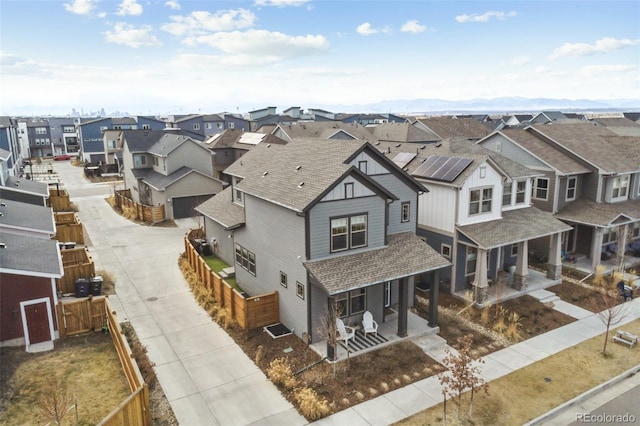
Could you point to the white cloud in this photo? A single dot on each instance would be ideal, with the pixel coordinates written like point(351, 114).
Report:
point(173, 4)
point(608, 70)
point(281, 3)
point(366, 29)
point(131, 36)
point(80, 7)
point(520, 60)
point(501, 16)
point(413, 26)
point(261, 46)
point(541, 69)
point(129, 7)
point(604, 45)
point(202, 22)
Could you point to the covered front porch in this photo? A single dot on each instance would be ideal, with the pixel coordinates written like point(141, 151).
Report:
point(387, 336)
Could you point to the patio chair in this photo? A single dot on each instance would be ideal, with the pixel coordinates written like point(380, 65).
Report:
point(624, 291)
point(344, 332)
point(369, 325)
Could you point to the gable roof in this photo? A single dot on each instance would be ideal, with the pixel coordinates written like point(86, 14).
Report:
point(233, 138)
point(44, 258)
point(141, 140)
point(402, 132)
point(588, 142)
point(23, 217)
point(160, 182)
point(620, 125)
point(545, 152)
point(325, 130)
point(27, 186)
point(299, 173)
point(221, 209)
point(590, 213)
point(169, 142)
point(446, 127)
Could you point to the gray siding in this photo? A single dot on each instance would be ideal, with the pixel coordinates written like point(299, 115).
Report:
point(192, 155)
point(513, 152)
point(404, 193)
point(436, 240)
point(223, 248)
point(590, 189)
point(562, 191)
point(276, 236)
point(545, 205)
point(320, 223)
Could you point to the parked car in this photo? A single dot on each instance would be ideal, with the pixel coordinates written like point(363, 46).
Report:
point(61, 157)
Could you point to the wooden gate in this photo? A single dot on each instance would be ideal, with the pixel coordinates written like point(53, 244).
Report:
point(81, 316)
point(37, 319)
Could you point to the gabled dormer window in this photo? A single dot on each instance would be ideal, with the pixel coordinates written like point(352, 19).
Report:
point(620, 188)
point(541, 188)
point(572, 183)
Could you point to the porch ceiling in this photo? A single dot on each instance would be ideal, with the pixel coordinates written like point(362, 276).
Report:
point(589, 212)
point(405, 255)
point(514, 227)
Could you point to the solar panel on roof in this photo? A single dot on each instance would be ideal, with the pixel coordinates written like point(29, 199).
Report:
point(446, 169)
point(403, 158)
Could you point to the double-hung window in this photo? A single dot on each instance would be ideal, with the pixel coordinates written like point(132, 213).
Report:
point(348, 232)
point(541, 188)
point(480, 200)
point(572, 183)
point(246, 259)
point(521, 187)
point(471, 260)
point(406, 212)
point(351, 302)
point(507, 188)
point(620, 187)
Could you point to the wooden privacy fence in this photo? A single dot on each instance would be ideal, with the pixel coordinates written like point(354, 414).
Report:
point(142, 212)
point(90, 314)
point(76, 264)
point(248, 312)
point(59, 199)
point(68, 228)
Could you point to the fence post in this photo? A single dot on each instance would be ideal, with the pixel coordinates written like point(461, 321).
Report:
point(62, 328)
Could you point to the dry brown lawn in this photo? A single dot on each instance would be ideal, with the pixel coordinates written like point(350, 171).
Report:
point(532, 391)
point(89, 366)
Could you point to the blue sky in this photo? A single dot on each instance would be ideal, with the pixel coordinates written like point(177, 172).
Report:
point(180, 56)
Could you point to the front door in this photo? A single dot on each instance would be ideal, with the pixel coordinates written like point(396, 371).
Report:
point(37, 318)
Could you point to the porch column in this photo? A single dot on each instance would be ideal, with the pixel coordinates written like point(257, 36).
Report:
point(331, 329)
point(622, 244)
point(403, 290)
point(433, 299)
point(522, 267)
point(596, 248)
point(480, 283)
point(554, 266)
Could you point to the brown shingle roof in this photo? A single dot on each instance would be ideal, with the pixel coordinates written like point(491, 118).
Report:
point(599, 214)
point(446, 127)
point(405, 255)
point(325, 130)
point(402, 132)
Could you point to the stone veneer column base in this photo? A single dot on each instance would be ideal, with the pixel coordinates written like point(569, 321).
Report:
point(519, 282)
point(482, 294)
point(554, 272)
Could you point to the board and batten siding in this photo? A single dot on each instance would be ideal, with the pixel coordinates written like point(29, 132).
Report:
point(437, 208)
point(338, 191)
point(320, 224)
point(373, 166)
point(276, 236)
point(493, 180)
point(404, 193)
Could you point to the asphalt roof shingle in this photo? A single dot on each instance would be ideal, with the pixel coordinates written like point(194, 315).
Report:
point(43, 255)
point(599, 214)
point(223, 210)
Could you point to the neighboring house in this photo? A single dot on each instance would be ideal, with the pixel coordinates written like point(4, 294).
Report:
point(167, 168)
point(213, 124)
point(402, 133)
point(621, 126)
point(38, 135)
point(231, 144)
point(633, 116)
point(63, 135)
point(546, 117)
point(10, 143)
point(323, 222)
point(26, 219)
point(590, 181)
point(112, 142)
point(445, 127)
point(25, 191)
point(323, 130)
point(516, 119)
point(478, 214)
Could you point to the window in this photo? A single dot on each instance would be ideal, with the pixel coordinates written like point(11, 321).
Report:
point(521, 187)
point(68, 129)
point(620, 187)
point(219, 125)
point(572, 182)
point(246, 259)
point(635, 231)
point(232, 125)
point(471, 259)
point(155, 161)
point(507, 188)
point(283, 279)
point(610, 236)
point(351, 302)
point(348, 190)
point(406, 212)
point(139, 160)
point(480, 201)
point(498, 146)
point(111, 144)
point(237, 195)
point(146, 127)
point(41, 130)
point(348, 232)
point(103, 128)
point(196, 126)
point(541, 188)
point(483, 172)
point(362, 165)
point(445, 250)
point(514, 250)
point(300, 290)
point(209, 125)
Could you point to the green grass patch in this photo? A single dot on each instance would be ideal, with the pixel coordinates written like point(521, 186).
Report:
point(217, 265)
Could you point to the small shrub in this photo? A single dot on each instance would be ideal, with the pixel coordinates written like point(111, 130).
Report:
point(485, 315)
point(513, 329)
point(397, 382)
point(359, 395)
point(384, 387)
point(345, 402)
point(311, 405)
point(372, 392)
point(259, 355)
point(279, 372)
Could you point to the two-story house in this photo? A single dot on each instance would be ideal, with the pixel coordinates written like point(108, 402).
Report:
point(167, 168)
point(478, 214)
point(324, 223)
point(323, 130)
point(12, 150)
point(591, 181)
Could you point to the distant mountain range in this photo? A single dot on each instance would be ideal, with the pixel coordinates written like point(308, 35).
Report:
point(504, 105)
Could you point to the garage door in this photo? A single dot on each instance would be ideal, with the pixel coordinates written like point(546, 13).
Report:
point(183, 206)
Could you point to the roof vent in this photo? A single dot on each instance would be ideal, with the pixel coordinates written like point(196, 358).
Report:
point(378, 143)
point(438, 144)
point(3, 204)
point(298, 167)
point(389, 149)
point(265, 173)
point(301, 184)
point(3, 245)
point(268, 145)
point(423, 147)
point(398, 145)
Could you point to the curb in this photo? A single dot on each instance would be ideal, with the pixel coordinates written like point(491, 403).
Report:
point(582, 397)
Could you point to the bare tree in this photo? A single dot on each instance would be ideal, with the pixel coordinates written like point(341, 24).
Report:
point(607, 305)
point(328, 330)
point(463, 374)
point(54, 400)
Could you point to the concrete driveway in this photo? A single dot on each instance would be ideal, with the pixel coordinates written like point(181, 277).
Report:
point(206, 377)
